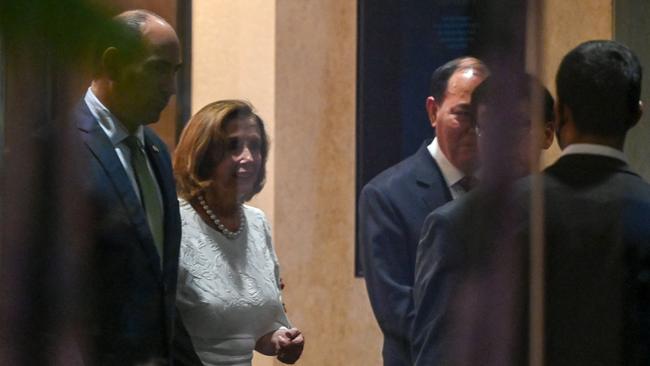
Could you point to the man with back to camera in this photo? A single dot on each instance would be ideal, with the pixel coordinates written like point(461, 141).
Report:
point(393, 205)
point(452, 318)
point(133, 261)
point(597, 215)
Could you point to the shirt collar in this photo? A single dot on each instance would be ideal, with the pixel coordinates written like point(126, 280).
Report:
point(112, 126)
point(594, 149)
point(451, 174)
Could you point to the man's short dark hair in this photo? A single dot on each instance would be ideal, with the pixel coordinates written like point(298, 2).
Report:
point(524, 85)
point(600, 82)
point(442, 74)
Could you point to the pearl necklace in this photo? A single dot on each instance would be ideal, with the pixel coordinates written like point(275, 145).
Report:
point(224, 230)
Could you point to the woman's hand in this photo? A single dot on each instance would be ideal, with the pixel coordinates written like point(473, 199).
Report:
point(286, 344)
point(290, 343)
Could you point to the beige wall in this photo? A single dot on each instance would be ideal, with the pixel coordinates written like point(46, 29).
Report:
point(567, 24)
point(315, 168)
point(295, 60)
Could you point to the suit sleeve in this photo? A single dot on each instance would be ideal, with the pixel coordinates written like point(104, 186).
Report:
point(386, 263)
point(437, 275)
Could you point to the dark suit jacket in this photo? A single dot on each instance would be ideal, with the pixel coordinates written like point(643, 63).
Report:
point(597, 285)
point(597, 263)
point(392, 207)
point(462, 316)
point(132, 299)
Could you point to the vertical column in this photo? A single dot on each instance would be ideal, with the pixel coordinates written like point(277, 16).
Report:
point(315, 181)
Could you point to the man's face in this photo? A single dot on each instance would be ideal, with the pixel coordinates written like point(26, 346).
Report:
point(516, 140)
point(452, 119)
point(143, 87)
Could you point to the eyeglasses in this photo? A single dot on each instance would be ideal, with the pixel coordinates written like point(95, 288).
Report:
point(519, 129)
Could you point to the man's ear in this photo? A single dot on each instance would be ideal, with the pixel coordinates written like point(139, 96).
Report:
point(112, 63)
point(432, 110)
point(638, 114)
point(564, 125)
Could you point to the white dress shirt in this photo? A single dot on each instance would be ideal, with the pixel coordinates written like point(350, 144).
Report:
point(451, 174)
point(116, 133)
point(594, 149)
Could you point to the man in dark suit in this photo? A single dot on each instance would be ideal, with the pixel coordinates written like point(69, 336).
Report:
point(596, 287)
point(459, 234)
point(597, 216)
point(393, 205)
point(133, 263)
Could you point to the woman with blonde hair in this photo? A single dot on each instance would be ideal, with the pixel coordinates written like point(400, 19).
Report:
point(228, 282)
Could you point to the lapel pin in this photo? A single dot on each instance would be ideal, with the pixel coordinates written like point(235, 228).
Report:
point(155, 148)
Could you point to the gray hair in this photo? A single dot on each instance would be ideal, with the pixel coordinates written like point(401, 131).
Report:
point(135, 20)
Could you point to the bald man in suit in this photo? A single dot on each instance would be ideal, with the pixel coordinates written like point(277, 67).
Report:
point(133, 262)
point(393, 205)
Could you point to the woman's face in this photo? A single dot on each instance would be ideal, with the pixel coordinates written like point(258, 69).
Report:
point(238, 171)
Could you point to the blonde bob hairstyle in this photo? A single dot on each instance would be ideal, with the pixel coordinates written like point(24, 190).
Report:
point(203, 144)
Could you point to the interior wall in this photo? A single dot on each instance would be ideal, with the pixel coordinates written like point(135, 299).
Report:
point(315, 181)
point(565, 25)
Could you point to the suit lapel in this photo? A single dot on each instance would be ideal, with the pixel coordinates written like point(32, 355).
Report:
point(102, 148)
point(168, 193)
point(429, 179)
